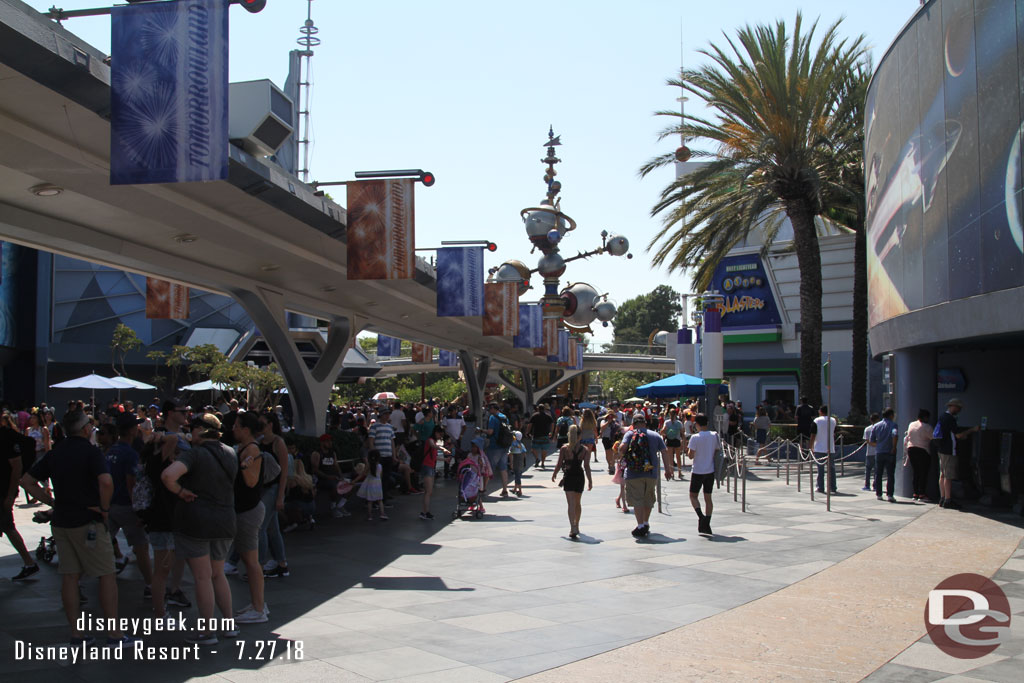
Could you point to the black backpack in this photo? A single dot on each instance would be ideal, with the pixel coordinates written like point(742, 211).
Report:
point(504, 437)
point(637, 457)
point(563, 427)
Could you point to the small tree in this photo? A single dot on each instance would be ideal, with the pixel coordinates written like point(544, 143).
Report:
point(124, 341)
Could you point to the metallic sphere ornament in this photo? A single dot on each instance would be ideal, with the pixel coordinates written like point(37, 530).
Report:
point(683, 154)
point(514, 271)
point(605, 312)
point(580, 300)
point(554, 237)
point(618, 245)
point(551, 265)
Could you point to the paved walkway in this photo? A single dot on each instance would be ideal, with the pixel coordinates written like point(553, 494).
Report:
point(499, 598)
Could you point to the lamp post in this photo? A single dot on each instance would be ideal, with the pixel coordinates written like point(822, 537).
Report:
point(579, 304)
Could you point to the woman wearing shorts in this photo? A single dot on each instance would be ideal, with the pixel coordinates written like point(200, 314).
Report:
point(428, 470)
point(672, 432)
point(588, 431)
point(203, 479)
point(249, 513)
point(574, 460)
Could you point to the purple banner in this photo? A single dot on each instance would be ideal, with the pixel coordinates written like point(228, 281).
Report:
point(460, 281)
point(388, 347)
point(531, 327)
point(447, 359)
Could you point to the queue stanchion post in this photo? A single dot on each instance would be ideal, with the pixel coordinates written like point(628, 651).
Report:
point(842, 461)
point(799, 471)
point(789, 447)
point(743, 497)
point(811, 466)
point(778, 461)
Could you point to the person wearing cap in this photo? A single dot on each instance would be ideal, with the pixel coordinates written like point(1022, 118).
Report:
point(517, 456)
point(82, 489)
point(641, 472)
point(203, 479)
point(947, 434)
point(123, 462)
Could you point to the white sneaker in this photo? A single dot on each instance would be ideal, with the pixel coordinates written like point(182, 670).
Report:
point(230, 569)
point(270, 565)
point(251, 616)
point(250, 608)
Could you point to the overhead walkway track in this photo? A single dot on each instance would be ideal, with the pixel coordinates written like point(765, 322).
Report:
point(261, 236)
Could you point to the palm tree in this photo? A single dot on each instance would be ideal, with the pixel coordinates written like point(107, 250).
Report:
point(847, 208)
point(773, 96)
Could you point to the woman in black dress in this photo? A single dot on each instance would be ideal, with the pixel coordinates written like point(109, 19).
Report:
point(573, 460)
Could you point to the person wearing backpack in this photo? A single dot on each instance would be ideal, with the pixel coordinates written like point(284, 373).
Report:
point(640, 448)
point(500, 438)
point(560, 431)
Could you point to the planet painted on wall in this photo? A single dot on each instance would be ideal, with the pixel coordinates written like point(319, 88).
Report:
point(1014, 207)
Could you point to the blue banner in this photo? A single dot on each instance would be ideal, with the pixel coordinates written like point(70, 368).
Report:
point(579, 358)
point(563, 346)
point(460, 281)
point(743, 282)
point(169, 92)
point(447, 359)
point(531, 327)
point(388, 347)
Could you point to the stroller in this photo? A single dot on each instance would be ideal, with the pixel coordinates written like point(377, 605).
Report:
point(470, 494)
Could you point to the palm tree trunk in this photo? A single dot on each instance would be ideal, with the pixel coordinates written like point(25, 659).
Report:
point(859, 369)
point(808, 257)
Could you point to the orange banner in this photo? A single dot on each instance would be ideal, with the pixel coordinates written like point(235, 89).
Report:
point(501, 309)
point(421, 353)
point(551, 336)
point(573, 352)
point(381, 235)
point(166, 300)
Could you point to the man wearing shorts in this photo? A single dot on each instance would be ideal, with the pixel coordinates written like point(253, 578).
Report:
point(946, 433)
point(642, 473)
point(82, 488)
point(701, 449)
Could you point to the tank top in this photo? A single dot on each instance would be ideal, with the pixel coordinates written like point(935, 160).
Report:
point(247, 498)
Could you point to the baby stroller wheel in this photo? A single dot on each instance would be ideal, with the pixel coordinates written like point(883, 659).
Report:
point(479, 514)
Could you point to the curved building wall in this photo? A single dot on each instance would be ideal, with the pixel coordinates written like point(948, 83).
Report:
point(943, 159)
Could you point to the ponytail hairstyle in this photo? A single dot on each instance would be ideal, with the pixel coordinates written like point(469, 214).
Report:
point(574, 437)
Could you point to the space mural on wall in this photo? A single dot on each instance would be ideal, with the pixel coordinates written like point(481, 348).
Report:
point(943, 149)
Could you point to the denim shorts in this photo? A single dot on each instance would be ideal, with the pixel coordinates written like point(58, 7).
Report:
point(427, 472)
point(161, 540)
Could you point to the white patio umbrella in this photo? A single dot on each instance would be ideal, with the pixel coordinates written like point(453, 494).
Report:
point(385, 396)
point(92, 382)
point(132, 383)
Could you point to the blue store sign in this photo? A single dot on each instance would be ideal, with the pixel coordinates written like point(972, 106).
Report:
point(951, 379)
point(743, 282)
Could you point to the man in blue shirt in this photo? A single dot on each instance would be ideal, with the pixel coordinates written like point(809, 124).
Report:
point(883, 438)
point(641, 472)
point(496, 453)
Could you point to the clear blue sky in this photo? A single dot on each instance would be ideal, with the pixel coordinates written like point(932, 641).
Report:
point(468, 89)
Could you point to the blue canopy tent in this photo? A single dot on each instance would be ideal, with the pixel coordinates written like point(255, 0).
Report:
point(676, 385)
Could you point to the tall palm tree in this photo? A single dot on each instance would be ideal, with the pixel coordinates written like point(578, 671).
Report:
point(847, 208)
point(773, 95)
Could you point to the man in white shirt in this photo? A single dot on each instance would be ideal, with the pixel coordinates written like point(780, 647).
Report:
point(399, 424)
point(701, 449)
point(823, 442)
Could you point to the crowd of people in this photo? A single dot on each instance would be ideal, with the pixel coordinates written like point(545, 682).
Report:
point(215, 490)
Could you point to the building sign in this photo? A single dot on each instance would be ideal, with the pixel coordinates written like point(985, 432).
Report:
point(743, 282)
point(951, 379)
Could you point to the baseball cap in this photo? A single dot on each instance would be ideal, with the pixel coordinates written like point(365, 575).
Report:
point(479, 442)
point(639, 417)
point(126, 420)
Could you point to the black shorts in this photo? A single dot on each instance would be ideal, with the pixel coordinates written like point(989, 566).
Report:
point(674, 443)
point(6, 519)
point(707, 481)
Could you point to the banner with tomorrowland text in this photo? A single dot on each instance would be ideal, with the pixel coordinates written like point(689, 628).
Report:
point(460, 281)
point(169, 92)
point(501, 309)
point(381, 235)
point(388, 347)
point(447, 359)
point(531, 327)
point(421, 353)
point(166, 300)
